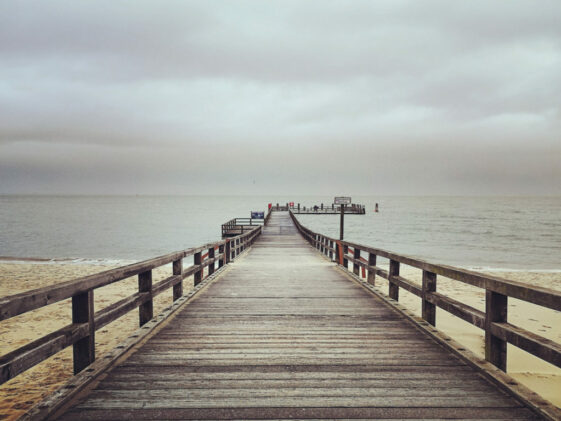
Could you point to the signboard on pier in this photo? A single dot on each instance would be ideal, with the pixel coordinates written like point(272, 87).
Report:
point(342, 200)
point(257, 215)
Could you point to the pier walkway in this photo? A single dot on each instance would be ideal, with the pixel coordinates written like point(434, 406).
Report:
point(284, 334)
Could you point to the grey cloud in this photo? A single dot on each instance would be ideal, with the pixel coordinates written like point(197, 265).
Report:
point(253, 97)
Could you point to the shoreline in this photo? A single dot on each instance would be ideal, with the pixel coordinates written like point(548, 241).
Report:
point(20, 393)
point(101, 261)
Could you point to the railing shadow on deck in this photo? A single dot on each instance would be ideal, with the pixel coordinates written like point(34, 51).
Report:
point(498, 332)
point(85, 320)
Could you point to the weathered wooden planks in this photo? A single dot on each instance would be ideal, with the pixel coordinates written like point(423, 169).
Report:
point(283, 335)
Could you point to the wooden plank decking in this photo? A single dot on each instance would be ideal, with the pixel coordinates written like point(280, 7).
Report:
point(283, 334)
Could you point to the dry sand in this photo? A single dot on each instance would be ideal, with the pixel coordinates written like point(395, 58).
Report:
point(19, 394)
point(22, 392)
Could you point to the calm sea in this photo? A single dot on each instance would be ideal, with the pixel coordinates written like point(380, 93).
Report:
point(518, 233)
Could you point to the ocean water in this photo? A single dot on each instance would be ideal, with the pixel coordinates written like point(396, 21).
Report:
point(516, 233)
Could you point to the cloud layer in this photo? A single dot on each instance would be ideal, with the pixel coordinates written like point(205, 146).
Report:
point(252, 97)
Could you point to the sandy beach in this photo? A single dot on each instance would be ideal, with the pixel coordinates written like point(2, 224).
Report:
point(22, 392)
point(19, 394)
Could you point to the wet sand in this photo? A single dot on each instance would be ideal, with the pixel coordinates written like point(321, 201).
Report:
point(19, 394)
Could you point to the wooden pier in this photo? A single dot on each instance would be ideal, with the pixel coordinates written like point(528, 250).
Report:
point(321, 209)
point(285, 333)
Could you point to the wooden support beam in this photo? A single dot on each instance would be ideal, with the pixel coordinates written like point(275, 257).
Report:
point(197, 260)
point(178, 270)
point(83, 312)
point(393, 287)
point(356, 255)
point(429, 285)
point(371, 273)
point(221, 251)
point(227, 252)
point(146, 310)
point(496, 311)
point(211, 256)
point(345, 260)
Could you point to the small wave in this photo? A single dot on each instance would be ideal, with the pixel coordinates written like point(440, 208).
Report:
point(504, 269)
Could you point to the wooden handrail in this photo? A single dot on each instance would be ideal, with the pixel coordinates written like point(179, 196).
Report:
point(81, 333)
point(321, 209)
point(498, 332)
point(241, 225)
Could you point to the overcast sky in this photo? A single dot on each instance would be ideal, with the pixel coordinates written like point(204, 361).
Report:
point(280, 97)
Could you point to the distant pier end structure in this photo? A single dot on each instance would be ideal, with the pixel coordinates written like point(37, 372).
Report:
point(320, 209)
point(238, 226)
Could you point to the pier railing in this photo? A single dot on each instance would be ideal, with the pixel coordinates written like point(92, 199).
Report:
point(239, 226)
point(85, 320)
point(321, 209)
point(494, 321)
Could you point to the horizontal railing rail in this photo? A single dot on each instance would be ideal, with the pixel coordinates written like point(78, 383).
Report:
point(85, 320)
point(498, 332)
point(321, 209)
point(238, 226)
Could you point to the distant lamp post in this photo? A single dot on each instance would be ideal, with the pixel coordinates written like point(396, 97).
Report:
point(342, 201)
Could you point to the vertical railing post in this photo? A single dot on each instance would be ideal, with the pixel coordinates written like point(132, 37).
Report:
point(345, 260)
point(177, 270)
point(146, 310)
point(496, 310)
point(211, 256)
point(227, 252)
point(371, 272)
point(83, 312)
point(356, 256)
point(331, 250)
point(428, 308)
point(337, 253)
point(393, 288)
point(222, 258)
point(197, 260)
